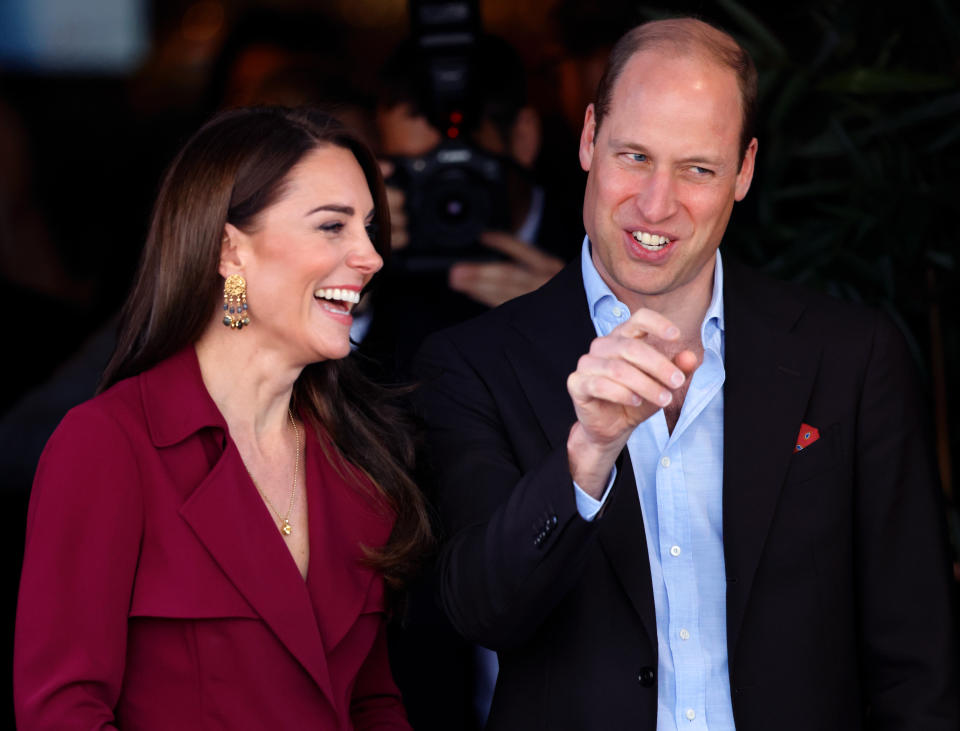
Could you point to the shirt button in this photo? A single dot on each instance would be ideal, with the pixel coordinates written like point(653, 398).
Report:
point(690, 714)
point(617, 312)
point(684, 634)
point(674, 550)
point(665, 461)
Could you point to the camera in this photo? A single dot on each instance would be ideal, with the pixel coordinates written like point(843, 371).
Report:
point(456, 190)
point(453, 193)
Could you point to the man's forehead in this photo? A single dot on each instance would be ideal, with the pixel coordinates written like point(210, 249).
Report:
point(664, 65)
point(651, 76)
point(686, 103)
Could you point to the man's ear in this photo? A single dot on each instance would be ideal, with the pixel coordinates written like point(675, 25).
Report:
point(587, 138)
point(525, 137)
point(745, 175)
point(231, 258)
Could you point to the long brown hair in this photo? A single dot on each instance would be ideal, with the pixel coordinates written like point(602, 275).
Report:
point(232, 169)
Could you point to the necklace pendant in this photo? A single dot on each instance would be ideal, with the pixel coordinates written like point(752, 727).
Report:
point(286, 528)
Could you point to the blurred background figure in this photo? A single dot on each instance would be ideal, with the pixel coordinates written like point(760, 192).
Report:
point(474, 224)
point(289, 58)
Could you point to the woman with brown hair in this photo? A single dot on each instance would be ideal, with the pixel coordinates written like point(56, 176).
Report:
point(210, 538)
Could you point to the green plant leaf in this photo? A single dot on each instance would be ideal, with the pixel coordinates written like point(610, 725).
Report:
point(865, 80)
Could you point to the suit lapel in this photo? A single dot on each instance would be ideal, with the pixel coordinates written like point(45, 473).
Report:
point(554, 332)
point(769, 377)
point(559, 329)
point(233, 524)
point(624, 541)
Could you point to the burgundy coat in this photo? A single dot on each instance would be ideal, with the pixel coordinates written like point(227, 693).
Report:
point(157, 592)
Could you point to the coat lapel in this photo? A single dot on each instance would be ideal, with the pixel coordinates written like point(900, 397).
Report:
point(228, 516)
point(769, 377)
point(231, 521)
point(346, 516)
point(559, 329)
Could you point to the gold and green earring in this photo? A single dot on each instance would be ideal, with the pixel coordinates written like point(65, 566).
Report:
point(235, 302)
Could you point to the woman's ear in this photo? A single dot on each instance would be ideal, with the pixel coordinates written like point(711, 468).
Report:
point(231, 260)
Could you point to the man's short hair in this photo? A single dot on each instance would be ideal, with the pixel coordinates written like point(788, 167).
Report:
point(684, 36)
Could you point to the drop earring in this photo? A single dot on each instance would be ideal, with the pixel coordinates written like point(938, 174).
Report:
point(235, 302)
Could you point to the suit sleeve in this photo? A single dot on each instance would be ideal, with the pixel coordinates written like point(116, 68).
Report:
point(84, 529)
point(516, 541)
point(907, 625)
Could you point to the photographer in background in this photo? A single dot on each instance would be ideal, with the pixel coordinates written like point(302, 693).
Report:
point(464, 239)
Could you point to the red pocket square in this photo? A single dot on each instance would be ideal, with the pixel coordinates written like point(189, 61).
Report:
point(807, 436)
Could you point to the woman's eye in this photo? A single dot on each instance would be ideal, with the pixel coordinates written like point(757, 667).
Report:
point(333, 227)
point(372, 230)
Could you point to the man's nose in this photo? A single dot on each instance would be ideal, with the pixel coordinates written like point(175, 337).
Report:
point(657, 199)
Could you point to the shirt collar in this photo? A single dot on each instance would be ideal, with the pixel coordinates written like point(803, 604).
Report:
point(599, 296)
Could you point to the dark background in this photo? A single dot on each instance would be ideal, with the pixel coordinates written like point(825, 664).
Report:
point(856, 190)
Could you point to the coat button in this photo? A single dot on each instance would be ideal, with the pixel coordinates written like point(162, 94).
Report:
point(647, 676)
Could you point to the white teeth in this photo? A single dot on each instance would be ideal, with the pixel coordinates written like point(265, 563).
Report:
point(336, 293)
point(650, 241)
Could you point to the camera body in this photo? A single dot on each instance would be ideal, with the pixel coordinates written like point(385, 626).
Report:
point(456, 190)
point(453, 192)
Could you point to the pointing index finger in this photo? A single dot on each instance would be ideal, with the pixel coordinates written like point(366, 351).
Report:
point(647, 322)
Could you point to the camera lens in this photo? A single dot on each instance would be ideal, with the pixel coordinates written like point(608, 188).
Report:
point(454, 209)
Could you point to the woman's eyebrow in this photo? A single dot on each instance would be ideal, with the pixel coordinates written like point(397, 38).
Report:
point(346, 210)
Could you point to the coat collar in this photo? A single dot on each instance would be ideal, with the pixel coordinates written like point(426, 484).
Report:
point(230, 519)
point(175, 400)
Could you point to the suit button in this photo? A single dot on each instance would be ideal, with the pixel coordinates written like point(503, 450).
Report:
point(647, 676)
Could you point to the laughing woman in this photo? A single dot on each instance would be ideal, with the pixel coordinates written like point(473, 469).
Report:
point(210, 539)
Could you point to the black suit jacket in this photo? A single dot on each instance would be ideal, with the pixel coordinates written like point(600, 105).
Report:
point(837, 572)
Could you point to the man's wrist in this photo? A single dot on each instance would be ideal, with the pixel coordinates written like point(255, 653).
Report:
point(590, 463)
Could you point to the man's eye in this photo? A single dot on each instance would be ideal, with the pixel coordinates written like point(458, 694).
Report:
point(698, 170)
point(637, 156)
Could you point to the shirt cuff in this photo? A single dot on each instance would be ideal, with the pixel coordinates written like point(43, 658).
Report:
point(587, 506)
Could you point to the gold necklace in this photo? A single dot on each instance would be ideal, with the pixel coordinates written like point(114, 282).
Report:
point(285, 526)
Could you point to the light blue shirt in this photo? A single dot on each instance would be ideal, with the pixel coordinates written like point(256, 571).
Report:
point(679, 480)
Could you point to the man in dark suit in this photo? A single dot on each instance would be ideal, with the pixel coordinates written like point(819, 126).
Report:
point(680, 495)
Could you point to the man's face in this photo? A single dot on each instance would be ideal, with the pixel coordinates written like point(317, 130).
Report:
point(663, 173)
